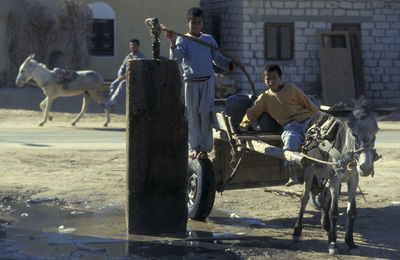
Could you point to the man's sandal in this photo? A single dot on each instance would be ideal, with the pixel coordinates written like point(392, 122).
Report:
point(193, 154)
point(292, 182)
point(202, 156)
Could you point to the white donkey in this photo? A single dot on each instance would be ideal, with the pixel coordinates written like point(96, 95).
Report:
point(87, 82)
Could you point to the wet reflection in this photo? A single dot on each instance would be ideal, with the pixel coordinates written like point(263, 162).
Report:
point(53, 231)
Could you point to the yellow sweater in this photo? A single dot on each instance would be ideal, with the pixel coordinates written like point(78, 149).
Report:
point(285, 106)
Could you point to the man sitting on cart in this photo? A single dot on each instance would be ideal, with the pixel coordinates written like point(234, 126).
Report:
point(289, 106)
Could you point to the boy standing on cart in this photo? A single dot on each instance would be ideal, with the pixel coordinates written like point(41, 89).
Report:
point(289, 106)
point(197, 64)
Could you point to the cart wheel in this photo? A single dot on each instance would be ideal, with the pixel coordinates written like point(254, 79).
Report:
point(316, 193)
point(201, 188)
point(315, 201)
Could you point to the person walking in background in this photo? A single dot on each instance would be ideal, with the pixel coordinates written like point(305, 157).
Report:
point(118, 86)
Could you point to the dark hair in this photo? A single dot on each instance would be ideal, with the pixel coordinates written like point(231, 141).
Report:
point(135, 40)
point(272, 67)
point(194, 12)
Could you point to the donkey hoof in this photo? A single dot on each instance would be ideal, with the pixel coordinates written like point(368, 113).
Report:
point(50, 118)
point(333, 249)
point(105, 124)
point(73, 123)
point(296, 238)
point(41, 124)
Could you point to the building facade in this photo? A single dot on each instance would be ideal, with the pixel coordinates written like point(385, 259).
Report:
point(285, 32)
point(115, 23)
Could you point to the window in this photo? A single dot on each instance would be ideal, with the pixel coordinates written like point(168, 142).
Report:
point(278, 41)
point(103, 38)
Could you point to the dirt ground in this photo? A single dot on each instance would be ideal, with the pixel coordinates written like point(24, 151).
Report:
point(91, 179)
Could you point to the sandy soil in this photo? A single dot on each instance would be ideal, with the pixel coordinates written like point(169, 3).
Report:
point(85, 178)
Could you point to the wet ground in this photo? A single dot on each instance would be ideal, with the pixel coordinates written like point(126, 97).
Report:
point(41, 229)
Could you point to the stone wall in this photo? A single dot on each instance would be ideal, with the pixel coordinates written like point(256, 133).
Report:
point(243, 33)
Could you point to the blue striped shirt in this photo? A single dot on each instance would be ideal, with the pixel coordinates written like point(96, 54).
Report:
point(122, 69)
point(197, 59)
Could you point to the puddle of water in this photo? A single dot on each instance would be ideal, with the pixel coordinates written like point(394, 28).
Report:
point(46, 231)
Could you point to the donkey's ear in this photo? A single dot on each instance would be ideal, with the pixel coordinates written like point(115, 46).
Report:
point(31, 57)
point(381, 113)
point(341, 114)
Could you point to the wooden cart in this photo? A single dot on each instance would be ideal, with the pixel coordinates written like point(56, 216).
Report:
point(237, 161)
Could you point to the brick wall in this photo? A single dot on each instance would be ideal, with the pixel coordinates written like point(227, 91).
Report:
point(242, 30)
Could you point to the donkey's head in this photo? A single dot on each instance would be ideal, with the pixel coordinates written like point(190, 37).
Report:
point(25, 71)
point(361, 122)
point(363, 128)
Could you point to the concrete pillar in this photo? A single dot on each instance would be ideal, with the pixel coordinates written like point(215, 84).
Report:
point(156, 149)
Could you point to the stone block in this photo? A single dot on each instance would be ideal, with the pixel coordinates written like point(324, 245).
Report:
point(353, 13)
point(345, 5)
point(312, 12)
point(377, 71)
point(311, 78)
point(304, 4)
point(291, 4)
point(284, 12)
point(366, 13)
point(249, 11)
point(392, 85)
point(300, 47)
point(296, 78)
point(380, 18)
point(359, 5)
point(388, 40)
point(385, 63)
point(377, 86)
point(302, 54)
point(390, 93)
point(393, 18)
point(271, 11)
point(367, 25)
point(326, 12)
point(339, 12)
point(298, 12)
point(378, 33)
point(277, 4)
point(396, 78)
point(382, 25)
point(319, 4)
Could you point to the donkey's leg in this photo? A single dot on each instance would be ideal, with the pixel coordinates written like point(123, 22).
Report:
point(45, 105)
point(97, 96)
point(333, 216)
point(298, 227)
point(85, 106)
point(107, 113)
point(351, 214)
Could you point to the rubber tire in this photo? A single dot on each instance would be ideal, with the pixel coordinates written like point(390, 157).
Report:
point(201, 188)
point(315, 195)
point(314, 201)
